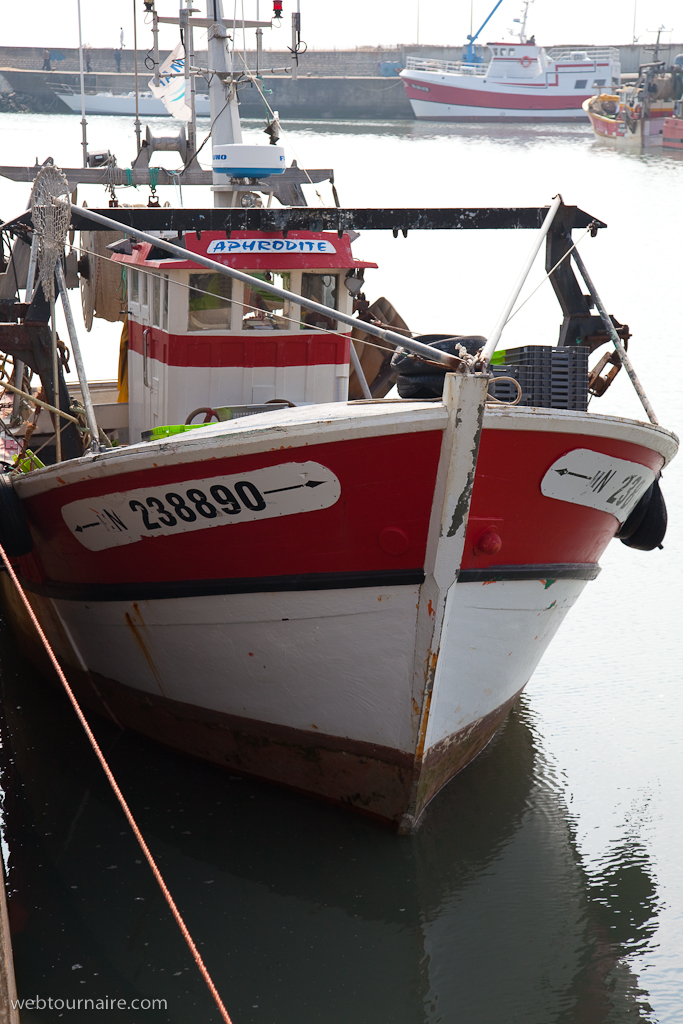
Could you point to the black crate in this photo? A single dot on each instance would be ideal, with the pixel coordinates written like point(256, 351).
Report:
point(556, 377)
point(505, 390)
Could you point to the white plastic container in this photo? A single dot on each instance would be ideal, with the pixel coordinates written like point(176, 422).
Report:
point(241, 160)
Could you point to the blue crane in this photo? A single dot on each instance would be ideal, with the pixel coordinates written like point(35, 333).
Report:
point(471, 55)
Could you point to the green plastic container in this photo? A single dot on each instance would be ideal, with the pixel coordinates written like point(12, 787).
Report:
point(28, 462)
point(176, 428)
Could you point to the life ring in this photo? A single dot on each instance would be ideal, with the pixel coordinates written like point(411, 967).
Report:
point(526, 62)
point(15, 535)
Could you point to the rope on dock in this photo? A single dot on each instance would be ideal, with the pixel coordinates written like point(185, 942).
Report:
point(117, 792)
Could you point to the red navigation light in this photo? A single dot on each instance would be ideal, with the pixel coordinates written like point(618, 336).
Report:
point(277, 9)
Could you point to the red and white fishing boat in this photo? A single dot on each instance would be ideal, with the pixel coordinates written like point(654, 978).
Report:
point(636, 116)
point(521, 82)
point(343, 597)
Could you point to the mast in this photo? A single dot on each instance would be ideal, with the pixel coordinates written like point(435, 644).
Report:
point(521, 35)
point(188, 41)
point(84, 133)
point(225, 117)
point(137, 99)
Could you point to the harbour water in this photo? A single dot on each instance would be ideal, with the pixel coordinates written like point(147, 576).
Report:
point(544, 885)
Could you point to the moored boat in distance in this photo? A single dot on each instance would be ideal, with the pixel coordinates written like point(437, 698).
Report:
point(633, 117)
point(522, 82)
point(123, 103)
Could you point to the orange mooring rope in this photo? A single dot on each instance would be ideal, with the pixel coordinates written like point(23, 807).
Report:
point(119, 795)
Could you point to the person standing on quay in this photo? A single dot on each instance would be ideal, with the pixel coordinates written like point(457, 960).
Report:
point(46, 61)
point(117, 53)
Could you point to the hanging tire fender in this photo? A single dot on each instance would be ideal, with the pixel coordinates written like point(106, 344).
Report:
point(646, 527)
point(15, 535)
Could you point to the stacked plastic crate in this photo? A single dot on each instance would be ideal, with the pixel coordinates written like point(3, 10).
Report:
point(550, 377)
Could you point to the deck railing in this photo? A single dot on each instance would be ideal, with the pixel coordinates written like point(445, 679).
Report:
point(446, 66)
point(594, 53)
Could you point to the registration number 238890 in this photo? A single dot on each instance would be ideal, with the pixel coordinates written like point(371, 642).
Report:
point(126, 517)
point(196, 503)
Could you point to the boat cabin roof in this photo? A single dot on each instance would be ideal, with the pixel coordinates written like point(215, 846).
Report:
point(256, 250)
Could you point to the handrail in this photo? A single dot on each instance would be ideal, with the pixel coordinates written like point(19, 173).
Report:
point(494, 337)
point(447, 66)
point(556, 53)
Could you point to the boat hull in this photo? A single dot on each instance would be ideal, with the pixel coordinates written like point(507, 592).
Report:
point(672, 134)
point(123, 104)
point(453, 97)
point(645, 133)
point(382, 666)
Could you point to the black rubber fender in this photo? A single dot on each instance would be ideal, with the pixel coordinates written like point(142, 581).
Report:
point(420, 379)
point(15, 535)
point(645, 528)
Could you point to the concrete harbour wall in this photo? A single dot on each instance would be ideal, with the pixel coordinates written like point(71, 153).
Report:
point(333, 84)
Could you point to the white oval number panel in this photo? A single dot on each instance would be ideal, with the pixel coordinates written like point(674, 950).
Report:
point(599, 481)
point(127, 516)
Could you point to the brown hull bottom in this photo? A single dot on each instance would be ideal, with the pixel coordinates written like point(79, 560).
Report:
point(387, 784)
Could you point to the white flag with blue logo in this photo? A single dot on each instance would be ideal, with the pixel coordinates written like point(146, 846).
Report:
point(171, 90)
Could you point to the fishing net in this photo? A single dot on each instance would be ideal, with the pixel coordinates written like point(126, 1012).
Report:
point(51, 215)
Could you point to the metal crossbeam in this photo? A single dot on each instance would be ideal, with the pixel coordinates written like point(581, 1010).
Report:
point(329, 219)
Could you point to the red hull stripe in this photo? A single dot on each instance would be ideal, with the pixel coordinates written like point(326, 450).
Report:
point(387, 486)
point(240, 350)
point(503, 101)
point(534, 529)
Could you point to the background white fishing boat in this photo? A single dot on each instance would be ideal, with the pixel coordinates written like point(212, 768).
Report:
point(521, 82)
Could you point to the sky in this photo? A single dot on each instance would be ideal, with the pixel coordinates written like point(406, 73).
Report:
point(344, 24)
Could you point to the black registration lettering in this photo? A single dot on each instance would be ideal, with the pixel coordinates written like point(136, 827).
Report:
point(224, 496)
point(164, 515)
point(138, 506)
point(250, 495)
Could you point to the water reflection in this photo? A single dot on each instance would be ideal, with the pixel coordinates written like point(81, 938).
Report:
point(516, 134)
point(304, 913)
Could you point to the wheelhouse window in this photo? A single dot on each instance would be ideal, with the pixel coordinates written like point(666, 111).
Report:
point(209, 305)
point(263, 311)
point(156, 300)
point(164, 306)
point(580, 83)
point(133, 286)
point(323, 288)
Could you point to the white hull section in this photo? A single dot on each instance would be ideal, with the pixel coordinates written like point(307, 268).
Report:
point(280, 658)
point(124, 104)
point(494, 636)
point(427, 111)
point(283, 658)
